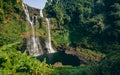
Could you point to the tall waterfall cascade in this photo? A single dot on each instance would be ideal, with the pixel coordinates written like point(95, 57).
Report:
point(48, 41)
point(41, 14)
point(33, 42)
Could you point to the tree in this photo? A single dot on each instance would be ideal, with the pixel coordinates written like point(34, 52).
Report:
point(113, 30)
point(1, 15)
point(110, 65)
point(1, 3)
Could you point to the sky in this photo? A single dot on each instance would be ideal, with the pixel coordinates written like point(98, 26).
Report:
point(40, 4)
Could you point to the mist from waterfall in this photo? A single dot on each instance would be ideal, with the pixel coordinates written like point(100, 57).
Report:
point(33, 44)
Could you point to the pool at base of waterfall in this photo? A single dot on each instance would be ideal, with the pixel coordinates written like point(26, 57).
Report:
point(60, 57)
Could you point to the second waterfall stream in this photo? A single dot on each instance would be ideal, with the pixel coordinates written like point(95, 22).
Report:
point(48, 40)
point(33, 42)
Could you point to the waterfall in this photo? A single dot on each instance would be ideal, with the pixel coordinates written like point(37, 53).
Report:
point(41, 14)
point(33, 45)
point(48, 42)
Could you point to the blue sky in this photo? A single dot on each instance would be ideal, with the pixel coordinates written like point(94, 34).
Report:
point(36, 3)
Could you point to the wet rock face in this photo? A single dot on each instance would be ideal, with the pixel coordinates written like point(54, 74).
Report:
point(33, 11)
point(85, 56)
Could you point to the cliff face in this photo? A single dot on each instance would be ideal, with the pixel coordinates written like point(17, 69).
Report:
point(33, 11)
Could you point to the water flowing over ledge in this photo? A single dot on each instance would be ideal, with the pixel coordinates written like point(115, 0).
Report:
point(48, 43)
point(33, 42)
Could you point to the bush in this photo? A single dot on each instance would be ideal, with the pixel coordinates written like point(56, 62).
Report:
point(69, 70)
point(110, 65)
point(15, 62)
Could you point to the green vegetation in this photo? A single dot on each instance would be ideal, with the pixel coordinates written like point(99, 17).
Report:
point(91, 28)
point(67, 70)
point(89, 56)
point(15, 62)
point(63, 38)
point(92, 24)
point(110, 65)
point(11, 32)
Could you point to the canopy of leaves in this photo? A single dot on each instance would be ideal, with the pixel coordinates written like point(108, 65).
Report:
point(109, 65)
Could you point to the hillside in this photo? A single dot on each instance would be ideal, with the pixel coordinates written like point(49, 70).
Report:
point(87, 29)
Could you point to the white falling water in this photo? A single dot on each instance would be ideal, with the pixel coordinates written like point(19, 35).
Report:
point(33, 44)
point(48, 43)
point(41, 14)
point(36, 21)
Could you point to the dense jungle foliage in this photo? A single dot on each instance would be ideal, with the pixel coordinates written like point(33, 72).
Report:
point(88, 26)
point(92, 24)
